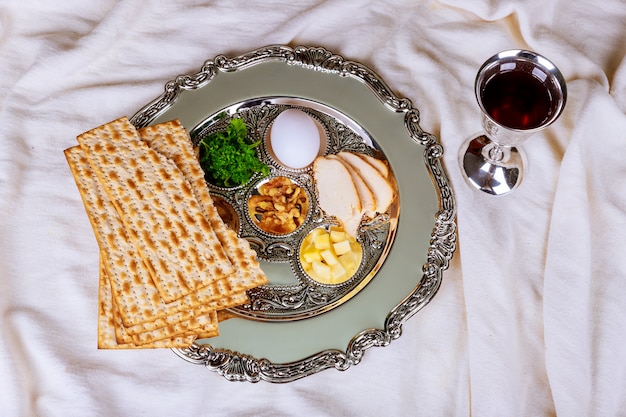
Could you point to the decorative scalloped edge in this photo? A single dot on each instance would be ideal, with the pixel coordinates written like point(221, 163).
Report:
point(238, 367)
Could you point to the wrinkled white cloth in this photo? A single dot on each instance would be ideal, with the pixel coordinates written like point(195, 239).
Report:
point(530, 319)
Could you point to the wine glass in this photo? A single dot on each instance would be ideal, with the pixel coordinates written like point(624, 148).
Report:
point(519, 93)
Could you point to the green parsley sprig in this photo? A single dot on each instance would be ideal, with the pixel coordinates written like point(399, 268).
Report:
point(227, 157)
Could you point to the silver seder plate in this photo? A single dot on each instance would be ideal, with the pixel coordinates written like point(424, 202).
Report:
point(295, 326)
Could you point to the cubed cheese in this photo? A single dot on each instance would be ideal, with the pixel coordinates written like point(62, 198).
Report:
point(310, 254)
point(338, 272)
point(337, 235)
point(348, 261)
point(342, 247)
point(321, 271)
point(322, 241)
point(329, 257)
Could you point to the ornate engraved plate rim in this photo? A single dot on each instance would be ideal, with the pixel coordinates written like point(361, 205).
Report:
point(304, 298)
point(235, 366)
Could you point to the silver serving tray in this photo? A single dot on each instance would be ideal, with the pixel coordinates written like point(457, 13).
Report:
point(292, 342)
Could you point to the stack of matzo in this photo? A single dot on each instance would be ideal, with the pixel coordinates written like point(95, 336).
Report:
point(168, 263)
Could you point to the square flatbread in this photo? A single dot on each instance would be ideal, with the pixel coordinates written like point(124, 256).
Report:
point(156, 206)
point(172, 140)
point(133, 311)
point(133, 289)
point(111, 332)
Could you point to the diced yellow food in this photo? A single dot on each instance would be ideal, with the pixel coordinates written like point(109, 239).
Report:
point(348, 261)
point(322, 241)
point(322, 272)
point(329, 257)
point(310, 254)
point(337, 236)
point(338, 272)
point(342, 247)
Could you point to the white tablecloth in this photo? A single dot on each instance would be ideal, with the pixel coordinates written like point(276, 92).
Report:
point(530, 319)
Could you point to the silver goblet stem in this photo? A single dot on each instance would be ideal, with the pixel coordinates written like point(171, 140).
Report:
point(523, 103)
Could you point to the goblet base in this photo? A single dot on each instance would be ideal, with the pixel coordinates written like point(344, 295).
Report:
point(493, 169)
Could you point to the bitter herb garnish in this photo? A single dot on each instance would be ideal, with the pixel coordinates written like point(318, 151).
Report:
point(228, 158)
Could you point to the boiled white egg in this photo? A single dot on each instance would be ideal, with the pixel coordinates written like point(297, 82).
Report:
point(295, 138)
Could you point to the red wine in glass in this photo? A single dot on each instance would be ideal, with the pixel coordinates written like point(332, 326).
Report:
point(519, 93)
point(516, 100)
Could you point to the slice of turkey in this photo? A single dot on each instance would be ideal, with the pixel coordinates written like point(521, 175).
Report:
point(382, 190)
point(337, 193)
point(368, 201)
point(379, 164)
